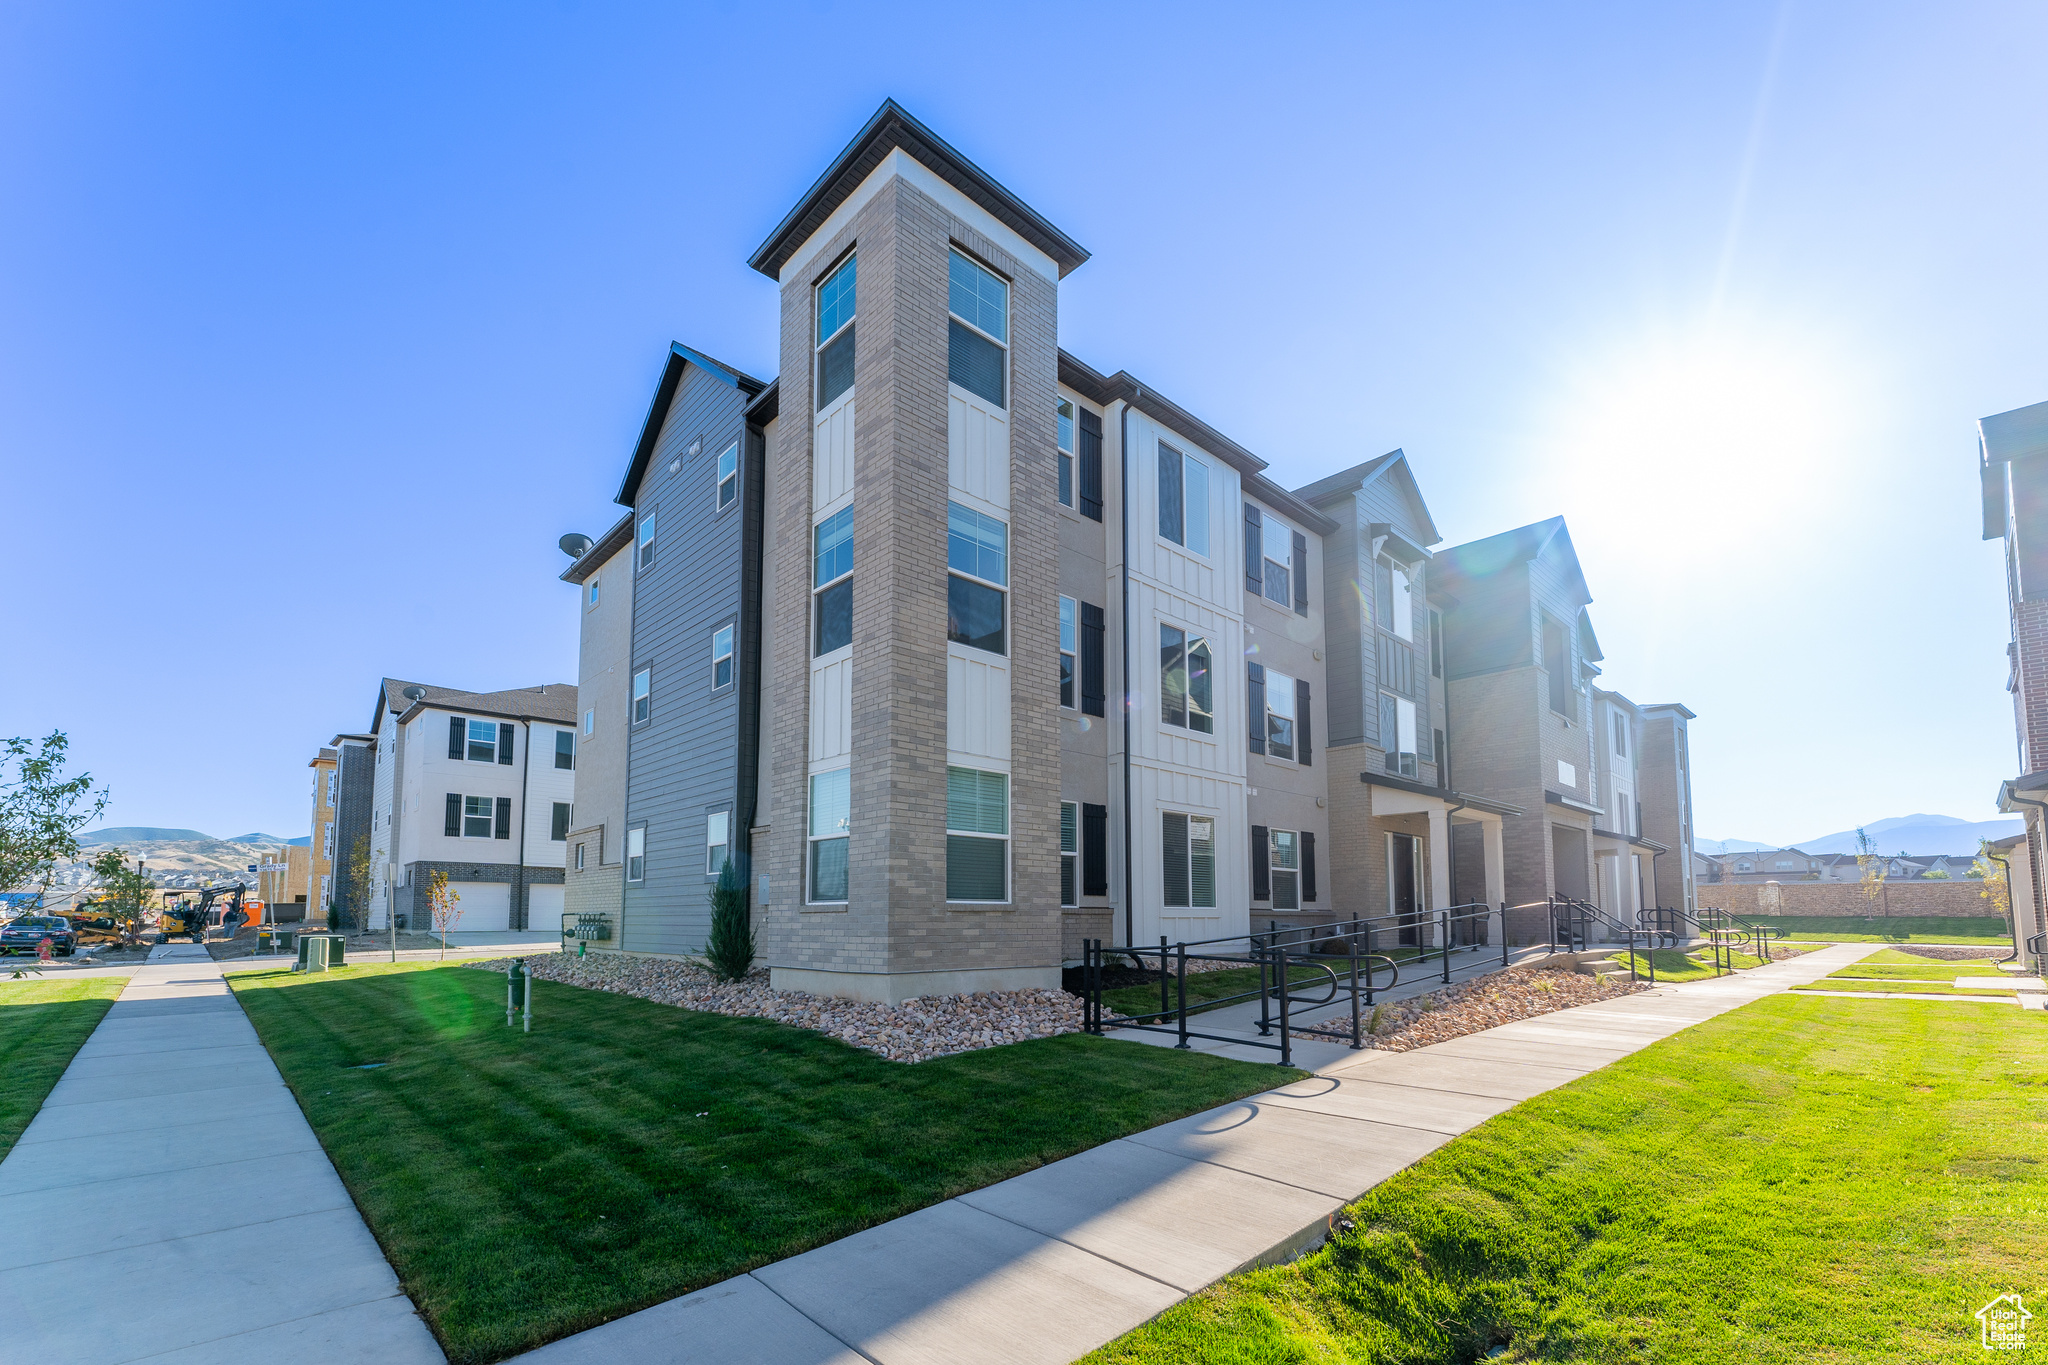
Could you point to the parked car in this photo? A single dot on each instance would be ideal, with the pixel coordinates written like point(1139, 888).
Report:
point(23, 934)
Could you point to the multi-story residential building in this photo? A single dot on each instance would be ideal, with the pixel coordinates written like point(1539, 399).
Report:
point(594, 872)
point(985, 650)
point(480, 787)
point(326, 766)
point(2013, 474)
point(354, 803)
point(1664, 778)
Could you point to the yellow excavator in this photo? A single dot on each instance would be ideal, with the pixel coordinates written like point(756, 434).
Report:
point(190, 918)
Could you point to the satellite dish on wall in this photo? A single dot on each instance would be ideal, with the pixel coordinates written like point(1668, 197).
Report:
point(575, 544)
point(414, 693)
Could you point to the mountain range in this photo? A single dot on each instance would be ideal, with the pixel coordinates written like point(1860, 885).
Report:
point(1917, 834)
point(153, 834)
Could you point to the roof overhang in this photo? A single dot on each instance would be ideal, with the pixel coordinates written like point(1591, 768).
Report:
point(889, 130)
point(608, 544)
point(1386, 538)
point(2010, 798)
point(1570, 803)
point(1451, 798)
point(679, 357)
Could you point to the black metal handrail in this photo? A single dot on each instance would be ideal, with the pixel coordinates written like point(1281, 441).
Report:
point(2037, 948)
point(1572, 922)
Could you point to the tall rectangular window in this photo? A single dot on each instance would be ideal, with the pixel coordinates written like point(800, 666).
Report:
point(483, 741)
point(579, 857)
point(636, 853)
point(1436, 644)
point(1066, 442)
point(978, 560)
point(1404, 604)
point(835, 334)
point(1397, 734)
point(1070, 638)
point(1278, 549)
point(1284, 856)
point(1070, 853)
point(647, 541)
point(565, 749)
point(1279, 715)
point(1557, 661)
point(977, 835)
point(831, 828)
point(832, 582)
point(643, 695)
point(721, 658)
point(1188, 853)
point(1183, 499)
point(476, 817)
point(729, 476)
point(978, 333)
point(558, 823)
point(1620, 735)
point(590, 721)
point(717, 841)
point(592, 586)
point(1187, 684)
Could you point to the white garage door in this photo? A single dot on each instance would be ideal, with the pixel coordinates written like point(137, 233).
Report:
point(543, 907)
point(484, 905)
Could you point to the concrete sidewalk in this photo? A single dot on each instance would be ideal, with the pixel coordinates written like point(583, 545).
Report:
point(1045, 1267)
point(171, 1178)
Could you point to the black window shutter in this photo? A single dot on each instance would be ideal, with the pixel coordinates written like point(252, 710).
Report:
point(1300, 574)
point(1308, 867)
point(1094, 850)
point(504, 830)
point(1092, 695)
point(1256, 688)
point(1254, 558)
point(1262, 877)
point(453, 827)
point(505, 744)
point(1301, 728)
point(455, 737)
point(1091, 467)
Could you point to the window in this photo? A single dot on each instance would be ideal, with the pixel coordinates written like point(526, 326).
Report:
point(1403, 605)
point(1285, 857)
point(979, 330)
point(1183, 499)
point(832, 582)
point(589, 721)
point(591, 600)
point(643, 695)
point(636, 853)
point(565, 749)
point(1187, 684)
point(721, 657)
point(1279, 715)
point(1277, 539)
point(1436, 645)
point(1567, 774)
point(1188, 849)
point(830, 829)
point(1557, 661)
point(978, 554)
point(1744, 867)
point(1070, 634)
point(1066, 425)
point(729, 476)
point(1070, 853)
point(558, 827)
point(476, 817)
point(483, 741)
point(1397, 734)
point(835, 334)
point(717, 841)
point(331, 780)
point(579, 857)
point(1620, 735)
point(647, 541)
point(327, 841)
point(977, 835)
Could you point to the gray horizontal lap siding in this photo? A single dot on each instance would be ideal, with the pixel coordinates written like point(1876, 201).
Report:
point(687, 758)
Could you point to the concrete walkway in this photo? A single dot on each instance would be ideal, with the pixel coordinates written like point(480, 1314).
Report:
point(1045, 1267)
point(170, 1203)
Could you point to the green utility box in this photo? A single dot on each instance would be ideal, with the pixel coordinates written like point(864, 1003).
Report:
point(320, 952)
point(519, 994)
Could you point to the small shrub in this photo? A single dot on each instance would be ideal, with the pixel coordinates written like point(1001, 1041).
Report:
point(729, 951)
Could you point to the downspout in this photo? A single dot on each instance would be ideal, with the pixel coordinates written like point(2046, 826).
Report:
point(525, 771)
point(2034, 864)
point(1443, 760)
point(2019, 954)
point(1123, 465)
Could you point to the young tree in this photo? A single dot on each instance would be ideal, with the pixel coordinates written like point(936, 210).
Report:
point(356, 907)
point(41, 810)
point(1870, 864)
point(125, 893)
point(445, 905)
point(729, 951)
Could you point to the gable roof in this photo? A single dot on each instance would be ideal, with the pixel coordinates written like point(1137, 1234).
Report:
point(679, 356)
point(890, 129)
point(549, 701)
point(1393, 467)
point(1483, 558)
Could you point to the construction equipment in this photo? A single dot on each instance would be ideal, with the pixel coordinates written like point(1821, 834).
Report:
point(191, 919)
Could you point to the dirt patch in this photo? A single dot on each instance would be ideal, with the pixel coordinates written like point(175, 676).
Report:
point(1944, 954)
point(1485, 1002)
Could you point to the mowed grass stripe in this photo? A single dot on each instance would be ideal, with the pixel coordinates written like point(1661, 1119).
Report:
point(43, 1023)
point(528, 1186)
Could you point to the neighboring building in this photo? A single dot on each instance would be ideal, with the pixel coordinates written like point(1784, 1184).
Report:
point(1664, 770)
point(326, 766)
point(1757, 865)
point(479, 786)
point(355, 802)
point(594, 867)
point(286, 891)
point(2013, 474)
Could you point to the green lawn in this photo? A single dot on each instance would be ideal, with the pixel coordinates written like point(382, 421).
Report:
point(1675, 966)
point(43, 1022)
point(1943, 986)
point(1893, 957)
point(1801, 1180)
point(1876, 929)
point(1204, 987)
point(527, 1186)
point(1924, 971)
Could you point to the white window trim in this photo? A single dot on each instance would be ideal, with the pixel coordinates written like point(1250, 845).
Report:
point(1009, 826)
point(810, 857)
point(1191, 817)
point(590, 721)
point(469, 740)
point(636, 848)
point(1274, 871)
point(646, 535)
point(1009, 387)
point(632, 696)
point(1189, 639)
point(731, 629)
point(818, 589)
point(711, 821)
point(590, 597)
point(1287, 566)
point(1290, 692)
point(1009, 617)
point(718, 482)
point(1208, 478)
point(1074, 854)
point(489, 817)
point(820, 344)
point(1069, 455)
point(1070, 609)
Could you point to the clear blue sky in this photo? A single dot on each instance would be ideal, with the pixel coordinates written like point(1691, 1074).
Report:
point(323, 322)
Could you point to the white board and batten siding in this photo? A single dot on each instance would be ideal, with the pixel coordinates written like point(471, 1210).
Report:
point(978, 682)
point(832, 458)
point(831, 739)
point(978, 453)
point(832, 707)
point(1176, 769)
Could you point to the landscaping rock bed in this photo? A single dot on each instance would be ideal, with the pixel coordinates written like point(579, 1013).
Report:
point(915, 1031)
point(1483, 1003)
point(1946, 954)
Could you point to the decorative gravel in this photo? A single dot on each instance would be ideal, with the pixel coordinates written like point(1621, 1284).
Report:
point(1482, 1003)
point(914, 1031)
point(1945, 954)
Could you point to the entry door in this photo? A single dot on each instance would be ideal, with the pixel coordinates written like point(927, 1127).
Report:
point(1404, 861)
